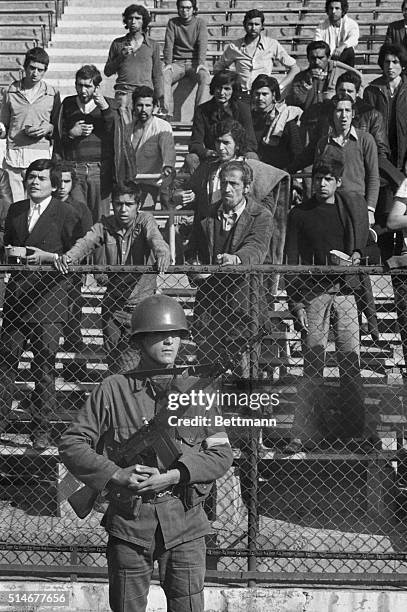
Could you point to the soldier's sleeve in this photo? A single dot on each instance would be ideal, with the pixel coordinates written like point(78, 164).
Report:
point(78, 445)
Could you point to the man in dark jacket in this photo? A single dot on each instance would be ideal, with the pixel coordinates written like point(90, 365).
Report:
point(388, 95)
point(64, 182)
point(155, 511)
point(396, 31)
point(329, 221)
point(36, 303)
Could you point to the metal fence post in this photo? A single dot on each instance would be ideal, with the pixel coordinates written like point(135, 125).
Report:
point(253, 523)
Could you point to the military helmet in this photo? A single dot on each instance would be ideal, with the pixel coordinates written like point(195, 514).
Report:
point(158, 313)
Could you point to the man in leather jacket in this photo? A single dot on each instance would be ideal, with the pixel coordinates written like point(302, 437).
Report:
point(154, 513)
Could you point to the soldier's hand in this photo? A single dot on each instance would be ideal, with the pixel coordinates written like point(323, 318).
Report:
point(128, 477)
point(156, 482)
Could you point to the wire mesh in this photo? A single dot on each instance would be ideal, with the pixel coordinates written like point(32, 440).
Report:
point(315, 415)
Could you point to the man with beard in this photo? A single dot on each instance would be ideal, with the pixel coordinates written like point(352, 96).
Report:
point(85, 138)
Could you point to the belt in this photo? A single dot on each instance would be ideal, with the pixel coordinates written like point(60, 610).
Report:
point(156, 498)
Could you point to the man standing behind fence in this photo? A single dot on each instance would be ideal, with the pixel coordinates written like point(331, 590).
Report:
point(236, 230)
point(146, 146)
point(35, 304)
point(155, 511)
point(28, 111)
point(85, 138)
point(135, 58)
point(128, 237)
point(330, 220)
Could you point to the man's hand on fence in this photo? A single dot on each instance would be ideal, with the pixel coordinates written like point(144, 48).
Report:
point(163, 261)
point(355, 258)
point(225, 259)
point(62, 263)
point(302, 318)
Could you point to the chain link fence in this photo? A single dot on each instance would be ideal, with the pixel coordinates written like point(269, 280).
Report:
point(314, 406)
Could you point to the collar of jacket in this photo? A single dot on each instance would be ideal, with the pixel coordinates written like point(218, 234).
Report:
point(381, 83)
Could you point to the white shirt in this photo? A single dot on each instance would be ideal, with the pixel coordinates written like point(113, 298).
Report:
point(249, 65)
point(347, 34)
point(231, 217)
point(36, 210)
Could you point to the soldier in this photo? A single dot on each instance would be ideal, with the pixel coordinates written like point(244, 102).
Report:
point(166, 520)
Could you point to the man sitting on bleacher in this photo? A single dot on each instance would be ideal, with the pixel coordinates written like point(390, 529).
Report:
point(185, 49)
point(315, 85)
point(256, 54)
point(339, 31)
point(128, 237)
point(28, 111)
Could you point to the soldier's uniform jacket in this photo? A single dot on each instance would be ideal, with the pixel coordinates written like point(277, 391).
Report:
point(112, 413)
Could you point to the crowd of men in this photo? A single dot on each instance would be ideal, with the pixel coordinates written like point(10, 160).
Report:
point(78, 180)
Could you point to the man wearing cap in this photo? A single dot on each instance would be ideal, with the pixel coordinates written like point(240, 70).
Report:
point(154, 513)
point(128, 237)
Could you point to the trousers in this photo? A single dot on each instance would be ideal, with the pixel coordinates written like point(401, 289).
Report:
point(181, 571)
point(181, 70)
point(321, 310)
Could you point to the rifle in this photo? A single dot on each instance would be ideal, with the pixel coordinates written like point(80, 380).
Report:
point(155, 434)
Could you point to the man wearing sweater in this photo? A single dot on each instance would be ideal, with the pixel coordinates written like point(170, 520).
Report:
point(330, 220)
point(85, 138)
point(361, 169)
point(185, 47)
point(135, 58)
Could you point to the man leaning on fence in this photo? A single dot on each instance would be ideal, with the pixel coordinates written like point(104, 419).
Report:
point(35, 303)
point(236, 230)
point(155, 511)
point(128, 237)
point(329, 221)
